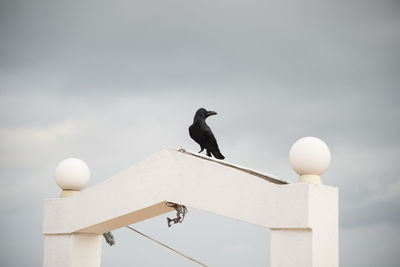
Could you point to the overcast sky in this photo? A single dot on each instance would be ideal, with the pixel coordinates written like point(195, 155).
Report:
point(112, 82)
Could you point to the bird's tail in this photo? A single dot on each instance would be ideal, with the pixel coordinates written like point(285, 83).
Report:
point(109, 238)
point(218, 155)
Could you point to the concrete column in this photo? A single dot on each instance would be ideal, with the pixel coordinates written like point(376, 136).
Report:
point(291, 248)
point(317, 247)
point(317, 244)
point(72, 250)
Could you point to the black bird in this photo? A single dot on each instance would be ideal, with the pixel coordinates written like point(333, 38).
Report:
point(202, 134)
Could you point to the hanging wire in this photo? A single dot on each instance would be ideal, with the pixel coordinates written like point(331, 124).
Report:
point(109, 238)
point(174, 250)
point(181, 211)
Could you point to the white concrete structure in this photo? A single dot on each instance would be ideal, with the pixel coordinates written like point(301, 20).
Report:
point(303, 217)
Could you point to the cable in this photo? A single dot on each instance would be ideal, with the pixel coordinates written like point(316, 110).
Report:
point(180, 253)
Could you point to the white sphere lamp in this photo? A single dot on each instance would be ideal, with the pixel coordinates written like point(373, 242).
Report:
point(71, 176)
point(310, 157)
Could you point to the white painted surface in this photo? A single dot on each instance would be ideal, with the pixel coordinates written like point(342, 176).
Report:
point(317, 246)
point(72, 174)
point(323, 206)
point(177, 177)
point(291, 247)
point(72, 250)
point(141, 191)
point(310, 157)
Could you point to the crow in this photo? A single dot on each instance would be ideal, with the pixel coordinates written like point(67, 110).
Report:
point(202, 134)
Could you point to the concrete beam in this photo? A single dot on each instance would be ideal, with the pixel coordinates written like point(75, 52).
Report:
point(177, 177)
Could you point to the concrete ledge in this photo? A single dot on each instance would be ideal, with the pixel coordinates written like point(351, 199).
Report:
point(137, 193)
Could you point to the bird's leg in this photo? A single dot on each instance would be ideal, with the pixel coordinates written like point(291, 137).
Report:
point(201, 150)
point(208, 153)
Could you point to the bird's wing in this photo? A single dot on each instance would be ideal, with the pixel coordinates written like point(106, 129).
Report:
point(211, 142)
point(209, 136)
point(195, 134)
point(191, 131)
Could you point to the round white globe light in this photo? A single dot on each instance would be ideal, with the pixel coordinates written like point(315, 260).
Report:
point(72, 174)
point(309, 156)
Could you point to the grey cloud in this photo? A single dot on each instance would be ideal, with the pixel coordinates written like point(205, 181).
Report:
point(142, 44)
point(370, 242)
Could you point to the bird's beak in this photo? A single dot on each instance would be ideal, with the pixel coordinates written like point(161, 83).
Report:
point(209, 113)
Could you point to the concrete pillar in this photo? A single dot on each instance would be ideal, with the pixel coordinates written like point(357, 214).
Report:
point(72, 250)
point(291, 247)
point(317, 245)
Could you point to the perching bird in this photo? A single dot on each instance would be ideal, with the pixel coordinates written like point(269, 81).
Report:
point(202, 134)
